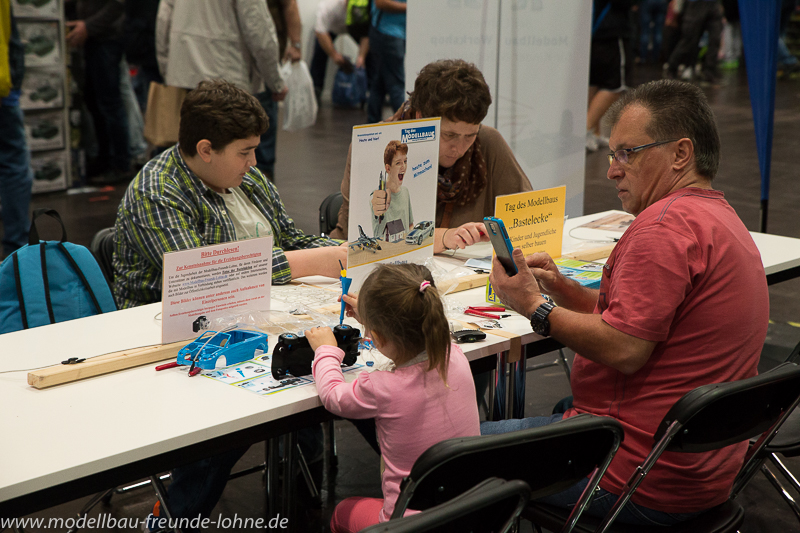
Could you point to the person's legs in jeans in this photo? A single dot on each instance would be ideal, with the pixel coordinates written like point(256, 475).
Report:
point(15, 179)
point(518, 424)
point(104, 98)
point(197, 487)
point(388, 75)
point(141, 84)
point(645, 18)
point(603, 500)
point(319, 64)
point(659, 15)
point(713, 25)
point(691, 30)
point(265, 153)
point(785, 57)
point(395, 71)
point(377, 88)
point(137, 147)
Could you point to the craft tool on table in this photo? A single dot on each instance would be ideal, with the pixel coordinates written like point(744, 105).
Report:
point(482, 312)
point(381, 187)
point(345, 287)
point(194, 370)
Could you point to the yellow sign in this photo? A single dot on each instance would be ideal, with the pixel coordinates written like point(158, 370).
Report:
point(534, 220)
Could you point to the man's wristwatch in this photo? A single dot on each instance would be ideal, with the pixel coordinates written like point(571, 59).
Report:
point(297, 44)
point(539, 321)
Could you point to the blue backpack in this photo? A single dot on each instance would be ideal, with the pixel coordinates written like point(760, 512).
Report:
point(349, 87)
point(46, 282)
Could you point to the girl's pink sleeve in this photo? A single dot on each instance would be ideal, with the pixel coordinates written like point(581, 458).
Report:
point(350, 400)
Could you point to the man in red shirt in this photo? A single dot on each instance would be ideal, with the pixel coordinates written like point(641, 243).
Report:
point(683, 302)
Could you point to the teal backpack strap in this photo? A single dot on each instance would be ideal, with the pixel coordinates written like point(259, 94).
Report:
point(46, 284)
point(23, 314)
point(80, 275)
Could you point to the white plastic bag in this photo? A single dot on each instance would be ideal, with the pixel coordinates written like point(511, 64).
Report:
point(300, 105)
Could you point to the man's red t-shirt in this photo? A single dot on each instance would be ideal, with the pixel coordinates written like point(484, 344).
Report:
point(687, 275)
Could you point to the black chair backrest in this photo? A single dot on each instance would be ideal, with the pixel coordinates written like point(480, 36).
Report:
point(550, 459)
point(329, 212)
point(491, 506)
point(787, 441)
point(794, 357)
point(102, 247)
point(716, 415)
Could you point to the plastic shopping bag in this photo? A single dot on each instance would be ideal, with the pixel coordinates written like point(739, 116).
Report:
point(300, 105)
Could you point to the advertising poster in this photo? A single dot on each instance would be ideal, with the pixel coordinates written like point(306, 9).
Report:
point(393, 183)
point(214, 281)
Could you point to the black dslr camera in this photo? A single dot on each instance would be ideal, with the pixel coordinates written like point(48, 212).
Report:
point(293, 355)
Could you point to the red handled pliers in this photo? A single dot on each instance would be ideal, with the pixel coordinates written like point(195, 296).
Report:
point(481, 311)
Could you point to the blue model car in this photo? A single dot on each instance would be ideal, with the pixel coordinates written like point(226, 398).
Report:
point(420, 232)
point(235, 346)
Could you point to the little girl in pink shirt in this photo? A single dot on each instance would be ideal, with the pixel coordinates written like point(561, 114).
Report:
point(428, 397)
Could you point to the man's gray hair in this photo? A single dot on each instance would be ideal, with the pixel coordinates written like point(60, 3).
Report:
point(677, 110)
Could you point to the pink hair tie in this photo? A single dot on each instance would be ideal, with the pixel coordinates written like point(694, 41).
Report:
point(424, 285)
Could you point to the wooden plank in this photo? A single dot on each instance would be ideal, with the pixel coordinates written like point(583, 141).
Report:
point(103, 364)
point(592, 254)
point(468, 282)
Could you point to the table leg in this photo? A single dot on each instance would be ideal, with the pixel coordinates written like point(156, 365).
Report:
point(289, 444)
point(500, 387)
point(518, 380)
point(272, 476)
point(161, 492)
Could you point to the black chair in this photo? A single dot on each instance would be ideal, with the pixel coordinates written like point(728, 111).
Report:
point(492, 506)
point(787, 444)
point(549, 459)
point(329, 212)
point(102, 247)
point(707, 418)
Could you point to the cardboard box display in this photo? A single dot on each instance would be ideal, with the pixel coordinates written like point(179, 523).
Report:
point(42, 88)
point(36, 8)
point(50, 171)
point(42, 42)
point(44, 131)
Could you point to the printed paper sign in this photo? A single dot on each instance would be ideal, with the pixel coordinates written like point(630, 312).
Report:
point(534, 220)
point(393, 183)
point(213, 281)
point(237, 373)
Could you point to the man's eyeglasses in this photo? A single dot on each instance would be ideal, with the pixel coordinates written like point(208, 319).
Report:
point(621, 155)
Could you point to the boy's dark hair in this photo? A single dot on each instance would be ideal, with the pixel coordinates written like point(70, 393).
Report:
point(391, 304)
point(221, 113)
point(452, 89)
point(391, 149)
point(677, 110)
